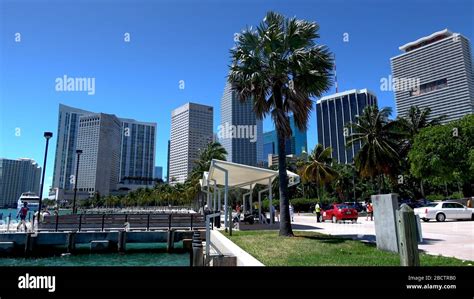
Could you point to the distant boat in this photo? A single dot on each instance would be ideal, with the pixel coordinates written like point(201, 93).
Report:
point(31, 198)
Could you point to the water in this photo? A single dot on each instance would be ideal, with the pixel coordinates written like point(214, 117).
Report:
point(136, 255)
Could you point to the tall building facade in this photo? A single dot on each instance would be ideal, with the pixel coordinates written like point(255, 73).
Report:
point(65, 159)
point(137, 148)
point(16, 177)
point(99, 139)
point(168, 163)
point(137, 151)
point(441, 65)
point(191, 131)
point(240, 132)
point(333, 113)
point(294, 145)
point(158, 174)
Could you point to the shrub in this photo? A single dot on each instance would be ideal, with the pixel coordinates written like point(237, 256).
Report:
point(435, 197)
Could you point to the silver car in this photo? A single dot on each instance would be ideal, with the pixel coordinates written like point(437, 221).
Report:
point(444, 210)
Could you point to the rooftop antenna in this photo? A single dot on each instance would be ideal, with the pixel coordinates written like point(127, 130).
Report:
point(335, 74)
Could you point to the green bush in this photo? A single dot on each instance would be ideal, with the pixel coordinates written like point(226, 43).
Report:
point(456, 195)
point(435, 197)
point(299, 204)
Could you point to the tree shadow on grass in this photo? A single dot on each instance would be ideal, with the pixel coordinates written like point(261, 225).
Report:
point(324, 239)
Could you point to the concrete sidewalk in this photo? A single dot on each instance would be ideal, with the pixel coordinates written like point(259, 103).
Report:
point(450, 238)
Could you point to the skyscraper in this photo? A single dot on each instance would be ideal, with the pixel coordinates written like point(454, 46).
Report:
point(68, 126)
point(240, 132)
point(294, 145)
point(168, 163)
point(191, 131)
point(137, 148)
point(99, 138)
point(158, 174)
point(441, 66)
point(137, 151)
point(16, 177)
point(333, 113)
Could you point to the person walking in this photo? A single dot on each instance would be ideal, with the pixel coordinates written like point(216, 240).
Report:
point(370, 212)
point(317, 210)
point(22, 214)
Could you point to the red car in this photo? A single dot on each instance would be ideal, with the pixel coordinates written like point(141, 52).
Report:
point(339, 212)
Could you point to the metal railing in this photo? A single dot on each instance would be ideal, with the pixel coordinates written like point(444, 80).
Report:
point(97, 222)
point(208, 230)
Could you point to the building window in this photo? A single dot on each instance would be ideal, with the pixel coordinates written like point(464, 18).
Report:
point(428, 87)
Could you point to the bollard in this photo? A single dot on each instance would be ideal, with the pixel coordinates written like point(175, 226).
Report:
point(197, 252)
point(407, 236)
point(28, 245)
point(170, 241)
point(70, 244)
point(122, 241)
point(194, 240)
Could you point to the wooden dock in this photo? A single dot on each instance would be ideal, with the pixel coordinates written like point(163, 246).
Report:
point(104, 232)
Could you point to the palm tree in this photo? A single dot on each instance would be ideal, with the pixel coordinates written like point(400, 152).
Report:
point(411, 124)
point(319, 170)
point(380, 143)
point(213, 150)
point(279, 67)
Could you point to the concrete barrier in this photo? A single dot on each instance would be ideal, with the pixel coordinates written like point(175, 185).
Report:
point(7, 248)
point(385, 207)
point(228, 248)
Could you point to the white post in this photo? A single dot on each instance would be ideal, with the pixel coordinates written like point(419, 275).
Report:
point(270, 199)
point(226, 191)
point(214, 204)
point(219, 196)
point(251, 199)
point(208, 195)
point(243, 202)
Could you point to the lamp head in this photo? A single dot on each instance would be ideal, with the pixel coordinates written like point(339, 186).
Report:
point(48, 135)
point(78, 151)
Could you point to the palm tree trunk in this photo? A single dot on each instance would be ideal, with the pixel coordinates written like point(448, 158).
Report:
point(285, 221)
point(422, 189)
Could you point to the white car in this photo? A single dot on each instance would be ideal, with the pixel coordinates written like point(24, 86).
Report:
point(444, 210)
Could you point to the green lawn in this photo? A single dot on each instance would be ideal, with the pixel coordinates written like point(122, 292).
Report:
point(314, 249)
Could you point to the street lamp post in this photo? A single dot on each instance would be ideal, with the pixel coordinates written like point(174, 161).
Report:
point(78, 152)
point(48, 136)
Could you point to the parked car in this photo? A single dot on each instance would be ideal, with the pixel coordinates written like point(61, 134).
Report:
point(444, 210)
point(339, 212)
point(356, 205)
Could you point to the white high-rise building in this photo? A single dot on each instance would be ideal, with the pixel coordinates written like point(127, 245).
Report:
point(191, 131)
point(137, 149)
point(99, 138)
point(16, 177)
point(241, 133)
point(441, 66)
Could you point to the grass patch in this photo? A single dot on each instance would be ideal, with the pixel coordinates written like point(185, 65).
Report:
point(315, 249)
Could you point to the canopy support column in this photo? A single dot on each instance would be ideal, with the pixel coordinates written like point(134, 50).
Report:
point(214, 195)
point(227, 220)
point(270, 200)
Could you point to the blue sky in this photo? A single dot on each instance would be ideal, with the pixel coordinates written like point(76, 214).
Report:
point(179, 40)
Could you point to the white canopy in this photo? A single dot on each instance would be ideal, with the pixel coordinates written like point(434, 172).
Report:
point(242, 176)
point(233, 175)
